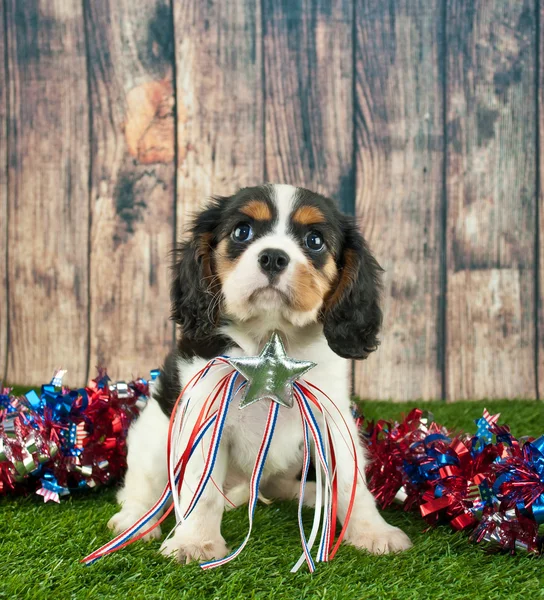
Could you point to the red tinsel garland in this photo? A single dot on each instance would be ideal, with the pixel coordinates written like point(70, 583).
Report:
point(490, 483)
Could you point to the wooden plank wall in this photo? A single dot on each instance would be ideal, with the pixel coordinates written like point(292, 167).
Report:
point(132, 208)
point(220, 107)
point(3, 201)
point(491, 199)
point(419, 116)
point(399, 154)
point(308, 66)
point(48, 170)
point(539, 287)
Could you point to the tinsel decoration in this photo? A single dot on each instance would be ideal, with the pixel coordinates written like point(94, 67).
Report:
point(489, 484)
point(64, 440)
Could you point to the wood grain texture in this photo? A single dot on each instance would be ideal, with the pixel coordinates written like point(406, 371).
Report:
point(540, 280)
point(308, 64)
point(48, 196)
point(130, 45)
point(3, 199)
point(219, 101)
point(491, 199)
point(399, 150)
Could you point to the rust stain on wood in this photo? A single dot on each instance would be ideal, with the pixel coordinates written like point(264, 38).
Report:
point(132, 193)
point(149, 125)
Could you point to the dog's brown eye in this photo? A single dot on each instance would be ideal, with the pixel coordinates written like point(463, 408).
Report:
point(314, 241)
point(242, 232)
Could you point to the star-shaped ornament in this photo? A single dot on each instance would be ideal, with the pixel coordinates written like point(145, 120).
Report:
point(271, 374)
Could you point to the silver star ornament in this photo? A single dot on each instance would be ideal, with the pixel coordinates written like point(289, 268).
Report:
point(271, 374)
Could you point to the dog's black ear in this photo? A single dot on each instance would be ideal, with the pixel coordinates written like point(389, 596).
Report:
point(352, 316)
point(195, 288)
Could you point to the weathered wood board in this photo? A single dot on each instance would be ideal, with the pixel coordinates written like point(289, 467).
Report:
point(131, 52)
point(48, 190)
point(308, 67)
point(539, 354)
point(399, 168)
point(119, 119)
point(3, 202)
point(491, 209)
point(220, 141)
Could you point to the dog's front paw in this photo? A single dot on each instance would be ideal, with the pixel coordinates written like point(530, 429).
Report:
point(381, 539)
point(185, 551)
point(125, 518)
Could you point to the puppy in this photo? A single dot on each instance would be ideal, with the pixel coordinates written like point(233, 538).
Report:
point(272, 257)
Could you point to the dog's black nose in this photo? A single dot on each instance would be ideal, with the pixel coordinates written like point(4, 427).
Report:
point(273, 261)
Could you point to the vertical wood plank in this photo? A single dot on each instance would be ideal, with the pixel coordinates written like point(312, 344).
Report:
point(399, 168)
point(130, 46)
point(3, 198)
point(48, 196)
point(539, 354)
point(308, 62)
point(219, 100)
point(491, 199)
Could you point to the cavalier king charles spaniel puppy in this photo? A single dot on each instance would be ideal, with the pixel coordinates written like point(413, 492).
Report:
point(272, 257)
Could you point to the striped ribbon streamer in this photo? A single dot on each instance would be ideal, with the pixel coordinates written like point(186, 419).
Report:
point(350, 443)
point(307, 544)
point(323, 463)
point(134, 532)
point(254, 485)
point(211, 418)
point(214, 445)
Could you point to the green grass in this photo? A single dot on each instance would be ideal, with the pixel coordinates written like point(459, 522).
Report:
point(40, 546)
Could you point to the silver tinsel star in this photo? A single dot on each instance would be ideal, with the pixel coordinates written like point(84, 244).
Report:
point(271, 374)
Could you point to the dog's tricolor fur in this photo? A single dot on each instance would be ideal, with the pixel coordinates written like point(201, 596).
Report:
point(272, 257)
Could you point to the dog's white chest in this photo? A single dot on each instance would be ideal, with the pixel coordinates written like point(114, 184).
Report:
point(244, 427)
point(244, 431)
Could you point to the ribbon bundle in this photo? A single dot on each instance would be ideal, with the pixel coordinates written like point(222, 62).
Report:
point(210, 417)
point(66, 439)
point(490, 483)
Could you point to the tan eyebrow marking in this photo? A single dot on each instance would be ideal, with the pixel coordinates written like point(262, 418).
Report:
point(258, 210)
point(308, 215)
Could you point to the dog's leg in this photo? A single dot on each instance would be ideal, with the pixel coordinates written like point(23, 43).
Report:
point(287, 488)
point(367, 528)
point(199, 536)
point(147, 473)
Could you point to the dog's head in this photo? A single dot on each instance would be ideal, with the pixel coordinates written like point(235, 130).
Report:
point(281, 254)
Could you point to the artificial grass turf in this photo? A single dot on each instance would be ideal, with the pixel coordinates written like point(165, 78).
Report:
point(40, 546)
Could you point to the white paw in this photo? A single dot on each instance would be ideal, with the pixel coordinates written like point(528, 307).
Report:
point(379, 540)
point(186, 551)
point(126, 518)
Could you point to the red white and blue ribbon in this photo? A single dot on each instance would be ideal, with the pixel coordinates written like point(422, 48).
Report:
point(137, 531)
point(254, 484)
point(212, 417)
